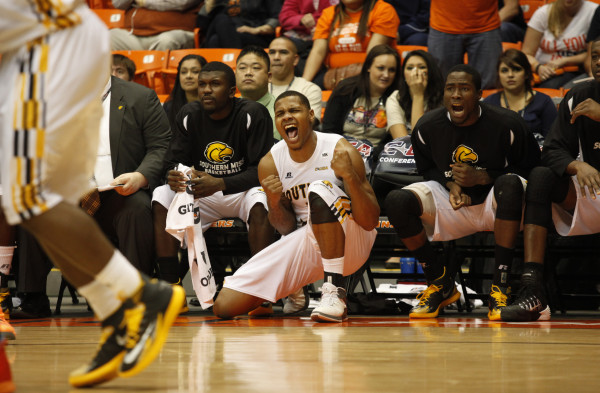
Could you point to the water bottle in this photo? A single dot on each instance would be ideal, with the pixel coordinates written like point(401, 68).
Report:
point(407, 265)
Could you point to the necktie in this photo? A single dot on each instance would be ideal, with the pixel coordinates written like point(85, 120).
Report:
point(91, 202)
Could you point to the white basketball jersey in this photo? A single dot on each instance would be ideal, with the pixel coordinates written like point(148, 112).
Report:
point(296, 176)
point(22, 21)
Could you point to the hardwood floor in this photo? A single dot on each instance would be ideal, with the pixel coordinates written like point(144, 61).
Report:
point(292, 354)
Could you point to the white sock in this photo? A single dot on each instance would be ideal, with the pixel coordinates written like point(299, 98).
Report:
point(6, 256)
point(120, 276)
point(101, 298)
point(335, 265)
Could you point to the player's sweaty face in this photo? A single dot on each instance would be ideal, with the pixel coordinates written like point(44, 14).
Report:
point(293, 120)
point(461, 98)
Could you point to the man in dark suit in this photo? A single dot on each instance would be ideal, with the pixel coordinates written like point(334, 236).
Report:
point(138, 137)
point(134, 136)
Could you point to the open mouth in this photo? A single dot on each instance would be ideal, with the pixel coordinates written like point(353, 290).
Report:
point(291, 130)
point(458, 110)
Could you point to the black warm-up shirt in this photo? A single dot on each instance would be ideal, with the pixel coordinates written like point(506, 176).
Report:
point(499, 142)
point(229, 148)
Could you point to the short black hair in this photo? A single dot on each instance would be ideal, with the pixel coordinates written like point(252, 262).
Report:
point(256, 50)
point(475, 75)
point(288, 39)
point(222, 67)
point(293, 93)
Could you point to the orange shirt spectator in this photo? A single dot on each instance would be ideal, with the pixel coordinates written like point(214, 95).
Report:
point(471, 16)
point(352, 26)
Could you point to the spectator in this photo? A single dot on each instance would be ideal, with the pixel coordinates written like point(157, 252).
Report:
point(513, 24)
point(252, 74)
point(333, 243)
point(472, 27)
point(556, 194)
point(592, 35)
point(284, 58)
point(224, 137)
point(238, 23)
point(155, 25)
point(421, 90)
point(358, 106)
point(474, 157)
point(414, 21)
point(123, 67)
point(555, 39)
point(185, 89)
point(298, 19)
point(515, 79)
point(349, 27)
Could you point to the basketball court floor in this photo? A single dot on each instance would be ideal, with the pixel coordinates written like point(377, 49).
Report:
point(457, 352)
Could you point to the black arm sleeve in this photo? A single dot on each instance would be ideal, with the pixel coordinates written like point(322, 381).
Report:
point(562, 143)
point(180, 147)
point(425, 164)
point(524, 153)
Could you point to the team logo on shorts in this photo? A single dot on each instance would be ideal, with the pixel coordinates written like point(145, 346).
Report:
point(218, 153)
point(465, 155)
point(328, 183)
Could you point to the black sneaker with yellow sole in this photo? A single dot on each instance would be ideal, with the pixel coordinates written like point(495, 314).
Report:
point(440, 293)
point(497, 301)
point(105, 364)
point(132, 336)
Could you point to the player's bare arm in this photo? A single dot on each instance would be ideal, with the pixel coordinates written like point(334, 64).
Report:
point(587, 107)
point(348, 165)
point(587, 176)
point(204, 185)
point(466, 175)
point(281, 213)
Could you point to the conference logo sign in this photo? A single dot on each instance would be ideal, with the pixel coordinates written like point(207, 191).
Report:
point(218, 153)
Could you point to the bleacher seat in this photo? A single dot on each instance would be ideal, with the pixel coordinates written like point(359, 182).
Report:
point(147, 63)
point(100, 4)
point(112, 17)
point(404, 50)
point(166, 76)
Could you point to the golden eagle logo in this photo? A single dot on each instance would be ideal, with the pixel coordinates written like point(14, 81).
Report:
point(465, 155)
point(327, 183)
point(218, 153)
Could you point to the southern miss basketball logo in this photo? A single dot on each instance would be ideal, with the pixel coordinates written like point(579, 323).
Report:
point(218, 153)
point(465, 155)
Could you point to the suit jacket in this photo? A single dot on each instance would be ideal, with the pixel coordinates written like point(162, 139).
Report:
point(139, 131)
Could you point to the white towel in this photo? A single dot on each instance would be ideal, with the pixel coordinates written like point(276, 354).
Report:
point(184, 223)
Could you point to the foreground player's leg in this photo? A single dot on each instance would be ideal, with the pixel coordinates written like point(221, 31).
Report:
point(403, 208)
point(508, 192)
point(332, 240)
point(530, 303)
point(134, 329)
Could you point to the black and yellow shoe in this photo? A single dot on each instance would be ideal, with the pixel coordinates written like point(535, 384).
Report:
point(155, 309)
point(497, 301)
point(438, 295)
point(105, 364)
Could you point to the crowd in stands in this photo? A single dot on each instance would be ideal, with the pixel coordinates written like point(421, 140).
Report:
point(352, 49)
